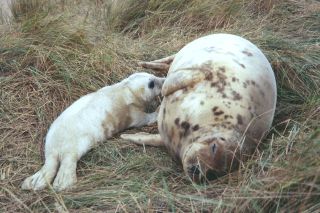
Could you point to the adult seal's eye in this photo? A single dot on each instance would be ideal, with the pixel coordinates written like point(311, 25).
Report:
point(151, 84)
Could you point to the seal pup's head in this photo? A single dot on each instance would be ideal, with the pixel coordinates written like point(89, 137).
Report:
point(145, 86)
point(210, 157)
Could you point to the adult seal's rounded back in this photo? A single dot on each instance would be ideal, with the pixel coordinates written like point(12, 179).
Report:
point(219, 101)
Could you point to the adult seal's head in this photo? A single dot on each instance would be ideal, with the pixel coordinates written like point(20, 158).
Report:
point(219, 101)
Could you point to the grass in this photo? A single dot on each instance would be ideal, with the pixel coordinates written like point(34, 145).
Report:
point(55, 51)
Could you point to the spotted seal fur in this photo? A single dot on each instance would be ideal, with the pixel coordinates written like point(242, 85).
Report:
point(219, 101)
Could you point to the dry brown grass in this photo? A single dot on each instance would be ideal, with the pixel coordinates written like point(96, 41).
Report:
point(56, 51)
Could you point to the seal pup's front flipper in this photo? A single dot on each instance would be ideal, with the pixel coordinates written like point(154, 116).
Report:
point(143, 138)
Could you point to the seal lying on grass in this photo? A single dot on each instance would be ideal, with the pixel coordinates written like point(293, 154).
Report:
point(219, 101)
point(92, 119)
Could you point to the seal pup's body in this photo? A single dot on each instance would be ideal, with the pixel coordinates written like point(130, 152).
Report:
point(90, 120)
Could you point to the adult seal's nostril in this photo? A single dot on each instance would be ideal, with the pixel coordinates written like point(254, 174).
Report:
point(212, 175)
point(194, 170)
point(194, 173)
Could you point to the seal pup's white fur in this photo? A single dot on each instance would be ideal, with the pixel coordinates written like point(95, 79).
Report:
point(92, 119)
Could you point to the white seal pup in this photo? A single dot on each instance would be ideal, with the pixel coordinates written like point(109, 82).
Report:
point(219, 101)
point(90, 120)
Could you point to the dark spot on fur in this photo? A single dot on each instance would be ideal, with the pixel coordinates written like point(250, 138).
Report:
point(245, 85)
point(236, 96)
point(224, 95)
point(233, 79)
point(239, 119)
point(222, 138)
point(214, 84)
point(209, 76)
point(222, 69)
point(201, 102)
point(242, 65)
point(246, 52)
point(218, 113)
point(228, 123)
point(176, 121)
point(185, 125)
point(220, 82)
point(195, 127)
point(249, 108)
point(186, 129)
point(215, 108)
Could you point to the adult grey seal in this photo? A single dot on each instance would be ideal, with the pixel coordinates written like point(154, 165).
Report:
point(219, 101)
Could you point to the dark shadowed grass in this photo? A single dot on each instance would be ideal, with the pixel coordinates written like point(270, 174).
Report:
point(56, 51)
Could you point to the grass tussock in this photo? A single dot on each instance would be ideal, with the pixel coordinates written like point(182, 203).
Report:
point(55, 51)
